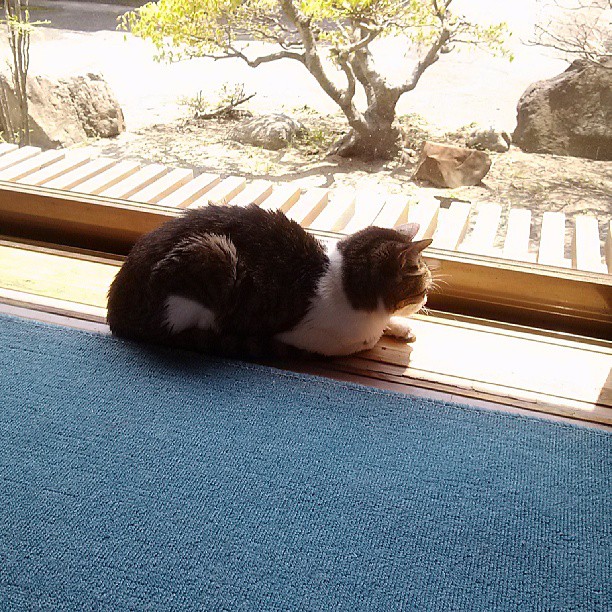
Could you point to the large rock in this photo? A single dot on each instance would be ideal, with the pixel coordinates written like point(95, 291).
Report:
point(69, 111)
point(447, 166)
point(96, 106)
point(570, 114)
point(483, 138)
point(269, 131)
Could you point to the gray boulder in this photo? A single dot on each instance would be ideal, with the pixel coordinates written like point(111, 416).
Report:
point(488, 139)
point(570, 114)
point(274, 131)
point(68, 111)
point(96, 106)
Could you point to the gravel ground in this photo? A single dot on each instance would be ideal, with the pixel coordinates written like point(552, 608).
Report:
point(519, 180)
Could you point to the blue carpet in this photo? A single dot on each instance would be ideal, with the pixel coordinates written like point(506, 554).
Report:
point(134, 478)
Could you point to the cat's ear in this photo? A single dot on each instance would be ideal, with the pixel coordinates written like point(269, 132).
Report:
point(410, 230)
point(420, 245)
point(410, 254)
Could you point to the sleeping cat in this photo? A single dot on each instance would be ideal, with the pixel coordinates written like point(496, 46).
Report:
point(246, 282)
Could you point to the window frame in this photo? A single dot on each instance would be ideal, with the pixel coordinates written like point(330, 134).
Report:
point(528, 294)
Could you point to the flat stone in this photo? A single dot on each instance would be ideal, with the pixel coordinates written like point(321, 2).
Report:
point(274, 131)
point(449, 166)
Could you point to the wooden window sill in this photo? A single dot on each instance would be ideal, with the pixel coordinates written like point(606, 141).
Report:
point(473, 359)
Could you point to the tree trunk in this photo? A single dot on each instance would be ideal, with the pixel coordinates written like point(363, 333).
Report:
point(379, 136)
point(378, 141)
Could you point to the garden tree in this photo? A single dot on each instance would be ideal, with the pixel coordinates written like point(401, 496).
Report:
point(580, 29)
point(333, 39)
point(16, 19)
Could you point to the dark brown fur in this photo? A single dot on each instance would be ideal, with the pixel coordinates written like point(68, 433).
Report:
point(259, 283)
point(383, 264)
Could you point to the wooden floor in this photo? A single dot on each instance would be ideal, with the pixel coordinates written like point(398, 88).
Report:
point(465, 359)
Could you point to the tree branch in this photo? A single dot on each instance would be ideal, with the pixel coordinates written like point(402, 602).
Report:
point(313, 62)
point(371, 80)
point(349, 94)
point(430, 58)
point(224, 110)
point(361, 44)
point(581, 30)
point(264, 59)
point(232, 52)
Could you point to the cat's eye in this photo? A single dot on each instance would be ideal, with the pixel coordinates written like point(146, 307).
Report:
point(412, 270)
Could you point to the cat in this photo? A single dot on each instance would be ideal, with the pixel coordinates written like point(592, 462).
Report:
point(250, 282)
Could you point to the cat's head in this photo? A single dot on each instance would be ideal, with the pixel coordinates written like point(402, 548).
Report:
point(384, 267)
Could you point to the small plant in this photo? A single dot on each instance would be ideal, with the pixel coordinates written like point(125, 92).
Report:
point(222, 104)
point(317, 137)
point(18, 30)
point(416, 130)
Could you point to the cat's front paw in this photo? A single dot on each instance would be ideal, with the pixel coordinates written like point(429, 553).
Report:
point(399, 328)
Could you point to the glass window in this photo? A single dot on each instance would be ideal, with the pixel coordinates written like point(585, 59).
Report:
point(108, 121)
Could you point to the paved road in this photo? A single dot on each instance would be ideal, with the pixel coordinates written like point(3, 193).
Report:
point(81, 16)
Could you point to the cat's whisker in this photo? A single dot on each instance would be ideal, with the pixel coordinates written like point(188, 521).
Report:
point(437, 285)
point(436, 276)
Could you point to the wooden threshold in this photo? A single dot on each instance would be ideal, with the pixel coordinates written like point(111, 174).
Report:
point(471, 284)
point(324, 368)
point(540, 371)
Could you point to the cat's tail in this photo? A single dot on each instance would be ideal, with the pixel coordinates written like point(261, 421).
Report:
point(203, 267)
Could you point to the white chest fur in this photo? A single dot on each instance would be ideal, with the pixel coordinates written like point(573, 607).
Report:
point(183, 313)
point(332, 326)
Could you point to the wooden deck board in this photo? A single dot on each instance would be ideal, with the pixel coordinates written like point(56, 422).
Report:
point(282, 198)
point(17, 156)
point(31, 165)
point(72, 160)
point(394, 212)
point(221, 193)
point(452, 226)
point(552, 240)
point(254, 193)
point(189, 193)
point(516, 243)
point(586, 250)
point(108, 178)
point(135, 182)
point(425, 213)
point(79, 175)
point(163, 186)
point(336, 215)
point(368, 204)
point(608, 246)
point(481, 240)
point(309, 206)
point(7, 147)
